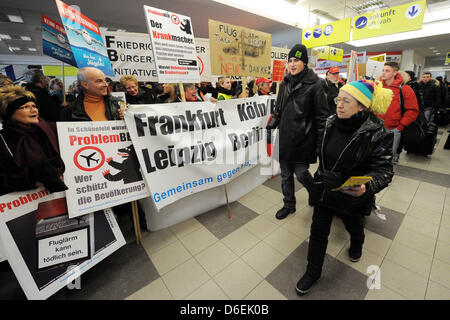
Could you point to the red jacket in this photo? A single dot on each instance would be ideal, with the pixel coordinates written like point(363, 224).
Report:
point(393, 116)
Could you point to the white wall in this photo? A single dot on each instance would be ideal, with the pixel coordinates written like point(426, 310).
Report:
point(412, 60)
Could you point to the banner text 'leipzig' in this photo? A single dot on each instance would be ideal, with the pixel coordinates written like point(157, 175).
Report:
point(184, 148)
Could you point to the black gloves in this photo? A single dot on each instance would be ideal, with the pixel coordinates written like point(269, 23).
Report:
point(272, 123)
point(46, 173)
point(332, 179)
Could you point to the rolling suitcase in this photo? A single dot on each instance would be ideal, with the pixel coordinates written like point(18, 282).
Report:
point(425, 147)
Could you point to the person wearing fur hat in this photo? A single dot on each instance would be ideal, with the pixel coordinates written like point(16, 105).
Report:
point(29, 152)
point(300, 113)
point(431, 93)
point(355, 143)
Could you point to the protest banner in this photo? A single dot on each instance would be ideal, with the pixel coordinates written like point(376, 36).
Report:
point(102, 170)
point(130, 54)
point(173, 44)
point(239, 51)
point(204, 66)
point(54, 41)
point(45, 248)
point(184, 148)
point(85, 39)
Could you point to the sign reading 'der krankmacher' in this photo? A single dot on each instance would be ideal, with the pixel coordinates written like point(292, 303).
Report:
point(102, 170)
point(173, 46)
point(406, 17)
point(184, 148)
point(239, 51)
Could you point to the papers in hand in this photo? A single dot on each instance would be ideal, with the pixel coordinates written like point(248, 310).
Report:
point(353, 182)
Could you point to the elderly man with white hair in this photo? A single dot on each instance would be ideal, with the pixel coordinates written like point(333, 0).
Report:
point(93, 103)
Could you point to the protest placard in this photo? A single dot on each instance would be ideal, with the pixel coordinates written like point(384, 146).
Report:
point(45, 248)
point(102, 170)
point(239, 51)
point(55, 43)
point(85, 39)
point(130, 53)
point(173, 44)
point(204, 66)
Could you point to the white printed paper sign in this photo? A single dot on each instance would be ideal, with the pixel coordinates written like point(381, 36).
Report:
point(204, 66)
point(184, 148)
point(130, 54)
point(102, 170)
point(173, 46)
point(45, 248)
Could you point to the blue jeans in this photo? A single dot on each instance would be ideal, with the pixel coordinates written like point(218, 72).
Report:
point(428, 112)
point(287, 181)
point(396, 143)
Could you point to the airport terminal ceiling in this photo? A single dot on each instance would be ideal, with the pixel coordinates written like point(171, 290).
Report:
point(129, 16)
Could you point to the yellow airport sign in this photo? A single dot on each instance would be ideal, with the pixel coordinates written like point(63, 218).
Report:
point(447, 59)
point(326, 34)
point(328, 53)
point(406, 17)
point(379, 58)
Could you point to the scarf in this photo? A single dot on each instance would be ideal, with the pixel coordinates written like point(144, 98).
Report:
point(30, 143)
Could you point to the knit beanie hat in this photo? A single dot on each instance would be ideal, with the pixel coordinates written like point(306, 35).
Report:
point(370, 94)
point(299, 51)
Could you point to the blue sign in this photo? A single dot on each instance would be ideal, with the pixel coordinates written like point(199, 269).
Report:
point(85, 39)
point(308, 35)
point(317, 32)
point(361, 22)
point(55, 43)
point(328, 30)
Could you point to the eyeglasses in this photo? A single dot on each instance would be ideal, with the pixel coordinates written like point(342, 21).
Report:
point(28, 107)
point(337, 100)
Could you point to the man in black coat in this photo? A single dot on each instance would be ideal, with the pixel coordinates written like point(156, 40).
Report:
point(431, 95)
point(300, 114)
point(37, 82)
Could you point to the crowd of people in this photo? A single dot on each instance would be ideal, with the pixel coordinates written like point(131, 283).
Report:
point(352, 129)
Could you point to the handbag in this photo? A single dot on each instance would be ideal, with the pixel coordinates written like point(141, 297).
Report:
point(415, 132)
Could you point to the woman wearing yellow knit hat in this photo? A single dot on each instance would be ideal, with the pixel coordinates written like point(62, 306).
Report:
point(355, 143)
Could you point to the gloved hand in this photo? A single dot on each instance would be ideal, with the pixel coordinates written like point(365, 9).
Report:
point(46, 173)
point(332, 179)
point(272, 123)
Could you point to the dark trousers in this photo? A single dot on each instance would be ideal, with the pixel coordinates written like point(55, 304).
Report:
point(287, 180)
point(320, 229)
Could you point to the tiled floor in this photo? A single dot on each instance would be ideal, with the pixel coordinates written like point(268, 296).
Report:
point(255, 256)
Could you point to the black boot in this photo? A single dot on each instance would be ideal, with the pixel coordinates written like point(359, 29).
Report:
point(305, 283)
point(355, 251)
point(283, 213)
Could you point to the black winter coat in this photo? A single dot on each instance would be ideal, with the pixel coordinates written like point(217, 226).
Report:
point(300, 114)
point(416, 88)
point(144, 96)
point(369, 153)
point(76, 112)
point(49, 107)
point(431, 94)
point(332, 92)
